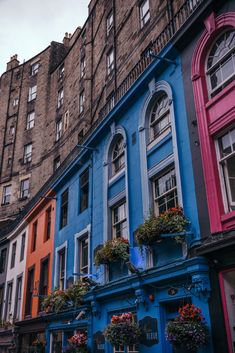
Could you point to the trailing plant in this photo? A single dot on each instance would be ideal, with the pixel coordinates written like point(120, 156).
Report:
point(122, 331)
point(168, 222)
point(77, 343)
point(112, 251)
point(189, 329)
point(60, 300)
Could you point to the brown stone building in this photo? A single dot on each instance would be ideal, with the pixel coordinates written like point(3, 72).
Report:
point(48, 103)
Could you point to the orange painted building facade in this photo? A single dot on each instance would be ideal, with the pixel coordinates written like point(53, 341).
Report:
point(39, 258)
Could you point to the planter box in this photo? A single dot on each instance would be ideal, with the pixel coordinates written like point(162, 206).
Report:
point(117, 270)
point(166, 252)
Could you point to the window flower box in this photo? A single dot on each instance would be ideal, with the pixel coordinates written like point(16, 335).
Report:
point(113, 251)
point(172, 223)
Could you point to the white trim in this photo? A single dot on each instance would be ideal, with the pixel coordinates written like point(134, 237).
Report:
point(143, 127)
point(115, 130)
point(112, 202)
point(57, 250)
point(77, 236)
point(160, 166)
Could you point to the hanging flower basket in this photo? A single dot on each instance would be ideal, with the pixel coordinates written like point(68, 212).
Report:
point(122, 331)
point(113, 251)
point(171, 221)
point(60, 300)
point(188, 332)
point(77, 343)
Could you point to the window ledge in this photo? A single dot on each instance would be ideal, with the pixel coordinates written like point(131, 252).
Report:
point(220, 95)
point(5, 204)
point(152, 147)
point(230, 216)
point(116, 177)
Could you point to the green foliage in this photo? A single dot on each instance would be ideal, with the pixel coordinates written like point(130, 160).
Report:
point(112, 251)
point(169, 222)
point(189, 330)
point(60, 300)
point(122, 331)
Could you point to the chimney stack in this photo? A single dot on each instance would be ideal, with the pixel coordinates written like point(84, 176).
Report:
point(14, 62)
point(66, 39)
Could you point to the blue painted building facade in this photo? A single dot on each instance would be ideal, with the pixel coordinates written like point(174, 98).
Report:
point(137, 162)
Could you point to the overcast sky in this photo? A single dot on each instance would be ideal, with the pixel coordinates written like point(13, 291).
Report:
point(27, 27)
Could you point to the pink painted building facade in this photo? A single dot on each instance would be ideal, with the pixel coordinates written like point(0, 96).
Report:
point(213, 80)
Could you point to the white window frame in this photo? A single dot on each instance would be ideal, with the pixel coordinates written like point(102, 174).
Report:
point(24, 190)
point(225, 187)
point(34, 68)
point(159, 117)
point(32, 93)
point(6, 194)
point(218, 66)
point(56, 276)
point(28, 153)
point(120, 156)
point(59, 126)
point(83, 66)
point(109, 22)
point(30, 120)
point(8, 302)
point(172, 189)
point(77, 238)
point(120, 221)
point(15, 102)
point(144, 13)
point(61, 71)
point(81, 102)
point(110, 62)
point(60, 98)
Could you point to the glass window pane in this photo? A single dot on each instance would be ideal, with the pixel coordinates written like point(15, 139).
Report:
point(231, 176)
point(216, 79)
point(227, 68)
point(225, 146)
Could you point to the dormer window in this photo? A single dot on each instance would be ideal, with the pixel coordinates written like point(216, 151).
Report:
point(118, 156)
point(221, 63)
point(144, 13)
point(61, 71)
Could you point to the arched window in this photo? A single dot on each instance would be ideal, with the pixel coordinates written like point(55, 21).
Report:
point(159, 118)
point(221, 63)
point(118, 156)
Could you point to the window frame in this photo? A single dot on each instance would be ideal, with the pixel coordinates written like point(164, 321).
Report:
point(34, 68)
point(109, 22)
point(6, 197)
point(110, 62)
point(30, 120)
point(229, 205)
point(44, 280)
point(34, 236)
point(212, 92)
point(3, 263)
point(24, 192)
point(143, 20)
point(60, 98)
point(154, 137)
point(59, 130)
point(81, 102)
point(120, 221)
point(64, 207)
point(48, 222)
point(13, 254)
point(62, 268)
point(18, 297)
point(27, 157)
point(22, 247)
point(29, 291)
point(119, 157)
point(32, 93)
point(163, 195)
point(8, 302)
point(82, 66)
point(84, 190)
